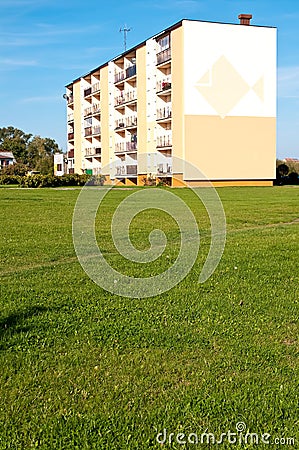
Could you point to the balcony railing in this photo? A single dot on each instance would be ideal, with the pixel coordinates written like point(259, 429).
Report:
point(132, 169)
point(87, 92)
point(120, 123)
point(164, 56)
point(125, 97)
point(93, 151)
point(70, 154)
point(70, 117)
point(126, 170)
point(96, 130)
point(163, 86)
point(131, 121)
point(70, 99)
point(70, 136)
point(131, 146)
point(126, 122)
point(119, 76)
point(96, 108)
point(164, 113)
point(120, 147)
point(164, 141)
point(88, 131)
point(87, 111)
point(164, 168)
point(126, 73)
point(130, 71)
point(95, 87)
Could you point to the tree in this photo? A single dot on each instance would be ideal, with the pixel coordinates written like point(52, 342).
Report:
point(15, 169)
point(16, 141)
point(40, 153)
point(33, 151)
point(282, 170)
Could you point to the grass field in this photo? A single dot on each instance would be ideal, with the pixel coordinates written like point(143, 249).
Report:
point(84, 369)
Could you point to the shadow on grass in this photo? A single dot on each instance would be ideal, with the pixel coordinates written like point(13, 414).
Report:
point(17, 322)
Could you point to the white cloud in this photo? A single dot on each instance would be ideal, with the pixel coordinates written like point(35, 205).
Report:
point(39, 99)
point(44, 34)
point(7, 63)
point(288, 82)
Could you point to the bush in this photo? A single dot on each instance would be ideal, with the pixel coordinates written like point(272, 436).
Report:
point(97, 180)
point(10, 179)
point(35, 181)
point(15, 169)
point(38, 180)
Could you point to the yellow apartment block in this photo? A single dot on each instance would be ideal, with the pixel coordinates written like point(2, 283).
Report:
point(201, 92)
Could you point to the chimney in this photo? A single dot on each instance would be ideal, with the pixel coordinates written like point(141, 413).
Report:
point(245, 19)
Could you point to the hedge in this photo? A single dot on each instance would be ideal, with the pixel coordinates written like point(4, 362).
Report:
point(37, 181)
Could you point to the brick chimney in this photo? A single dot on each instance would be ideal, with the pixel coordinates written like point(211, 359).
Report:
point(245, 19)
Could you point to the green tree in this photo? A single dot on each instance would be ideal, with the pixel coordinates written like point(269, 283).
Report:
point(16, 141)
point(35, 152)
point(15, 169)
point(40, 153)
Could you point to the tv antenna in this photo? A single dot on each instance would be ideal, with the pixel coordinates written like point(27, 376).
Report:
point(125, 30)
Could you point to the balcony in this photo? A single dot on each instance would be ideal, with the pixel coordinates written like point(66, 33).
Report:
point(125, 97)
point(70, 117)
point(163, 86)
point(164, 169)
point(91, 110)
point(95, 88)
point(88, 131)
point(130, 71)
point(131, 146)
point(92, 151)
point(96, 130)
point(87, 111)
point(70, 136)
point(164, 141)
point(124, 74)
point(131, 122)
point(120, 76)
point(96, 108)
point(70, 99)
point(70, 154)
point(120, 147)
point(164, 113)
point(87, 92)
point(126, 170)
point(164, 56)
point(132, 169)
point(120, 124)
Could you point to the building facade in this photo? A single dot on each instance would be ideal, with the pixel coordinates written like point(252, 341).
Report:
point(199, 92)
point(6, 159)
point(59, 164)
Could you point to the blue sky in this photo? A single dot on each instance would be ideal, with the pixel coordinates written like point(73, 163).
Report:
point(44, 44)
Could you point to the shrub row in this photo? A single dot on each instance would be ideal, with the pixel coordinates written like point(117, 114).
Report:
point(37, 181)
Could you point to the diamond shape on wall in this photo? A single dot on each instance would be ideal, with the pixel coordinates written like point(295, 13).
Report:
point(223, 87)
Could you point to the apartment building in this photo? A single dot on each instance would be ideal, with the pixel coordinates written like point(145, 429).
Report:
point(200, 92)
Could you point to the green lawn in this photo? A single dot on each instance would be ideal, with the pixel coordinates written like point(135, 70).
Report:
point(84, 369)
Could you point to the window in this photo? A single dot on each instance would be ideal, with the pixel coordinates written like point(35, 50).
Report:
point(164, 43)
point(59, 167)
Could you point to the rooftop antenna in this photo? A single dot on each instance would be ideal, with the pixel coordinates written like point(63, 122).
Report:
point(125, 30)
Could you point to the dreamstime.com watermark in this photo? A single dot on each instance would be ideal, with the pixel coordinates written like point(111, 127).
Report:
point(239, 436)
point(92, 259)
